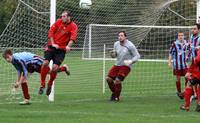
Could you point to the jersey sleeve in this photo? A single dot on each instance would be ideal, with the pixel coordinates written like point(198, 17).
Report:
point(22, 68)
point(134, 53)
point(19, 71)
point(172, 49)
point(74, 30)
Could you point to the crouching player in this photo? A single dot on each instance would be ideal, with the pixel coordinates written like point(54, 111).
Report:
point(177, 57)
point(26, 63)
point(126, 54)
point(193, 76)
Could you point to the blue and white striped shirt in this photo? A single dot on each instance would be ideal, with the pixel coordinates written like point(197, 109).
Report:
point(178, 51)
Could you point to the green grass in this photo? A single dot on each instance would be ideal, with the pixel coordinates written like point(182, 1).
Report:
point(148, 96)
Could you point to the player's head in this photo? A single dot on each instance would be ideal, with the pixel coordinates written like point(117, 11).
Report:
point(122, 36)
point(7, 55)
point(180, 36)
point(66, 16)
point(195, 29)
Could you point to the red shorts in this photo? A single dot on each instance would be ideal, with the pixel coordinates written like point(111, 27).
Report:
point(119, 71)
point(181, 72)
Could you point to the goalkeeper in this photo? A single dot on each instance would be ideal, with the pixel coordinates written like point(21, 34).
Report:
point(25, 64)
point(126, 54)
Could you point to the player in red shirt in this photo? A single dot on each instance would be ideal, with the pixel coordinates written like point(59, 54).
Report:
point(61, 35)
point(193, 75)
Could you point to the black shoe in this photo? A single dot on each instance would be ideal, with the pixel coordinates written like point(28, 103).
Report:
point(197, 108)
point(180, 95)
point(48, 91)
point(41, 91)
point(112, 97)
point(66, 69)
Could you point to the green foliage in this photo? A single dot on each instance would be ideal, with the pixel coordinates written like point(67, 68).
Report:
point(7, 8)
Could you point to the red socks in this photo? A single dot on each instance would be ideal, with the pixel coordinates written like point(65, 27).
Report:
point(111, 86)
point(43, 73)
point(178, 86)
point(52, 78)
point(61, 69)
point(118, 88)
point(188, 93)
point(198, 94)
point(25, 90)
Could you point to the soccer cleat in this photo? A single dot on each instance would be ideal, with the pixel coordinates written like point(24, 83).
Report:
point(112, 97)
point(25, 102)
point(184, 108)
point(197, 108)
point(66, 69)
point(41, 91)
point(116, 99)
point(48, 91)
point(180, 95)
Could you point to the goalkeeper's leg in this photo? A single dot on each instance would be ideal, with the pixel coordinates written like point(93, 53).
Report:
point(110, 80)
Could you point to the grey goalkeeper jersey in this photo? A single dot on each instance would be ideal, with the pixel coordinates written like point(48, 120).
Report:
point(127, 51)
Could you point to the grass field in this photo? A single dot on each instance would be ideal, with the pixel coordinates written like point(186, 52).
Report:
point(148, 96)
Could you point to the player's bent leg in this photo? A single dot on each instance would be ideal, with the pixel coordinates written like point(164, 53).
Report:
point(118, 87)
point(198, 99)
point(187, 95)
point(110, 82)
point(43, 73)
point(64, 68)
point(26, 95)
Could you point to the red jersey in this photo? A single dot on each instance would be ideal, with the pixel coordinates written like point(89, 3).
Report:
point(195, 67)
point(62, 33)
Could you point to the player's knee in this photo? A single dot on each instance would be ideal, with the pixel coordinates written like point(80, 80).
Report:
point(119, 78)
point(109, 79)
point(55, 68)
point(45, 63)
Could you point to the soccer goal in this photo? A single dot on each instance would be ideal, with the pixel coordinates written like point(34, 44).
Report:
point(152, 42)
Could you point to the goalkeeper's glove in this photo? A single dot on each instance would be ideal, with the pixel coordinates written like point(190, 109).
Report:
point(113, 54)
point(128, 62)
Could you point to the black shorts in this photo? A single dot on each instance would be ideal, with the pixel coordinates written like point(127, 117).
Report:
point(57, 55)
point(194, 81)
point(33, 68)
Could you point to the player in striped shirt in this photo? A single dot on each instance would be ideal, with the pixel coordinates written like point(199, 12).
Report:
point(126, 54)
point(26, 63)
point(178, 61)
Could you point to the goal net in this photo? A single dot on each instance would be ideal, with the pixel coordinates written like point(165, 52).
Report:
point(28, 27)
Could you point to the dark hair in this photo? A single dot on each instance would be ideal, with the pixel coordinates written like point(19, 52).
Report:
point(196, 24)
point(123, 32)
point(68, 12)
point(7, 52)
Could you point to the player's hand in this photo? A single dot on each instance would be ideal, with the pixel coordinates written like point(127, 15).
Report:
point(113, 54)
point(170, 64)
point(16, 85)
point(128, 62)
point(68, 48)
point(188, 75)
point(55, 45)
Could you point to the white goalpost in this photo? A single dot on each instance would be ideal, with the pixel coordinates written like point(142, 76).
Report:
point(52, 20)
